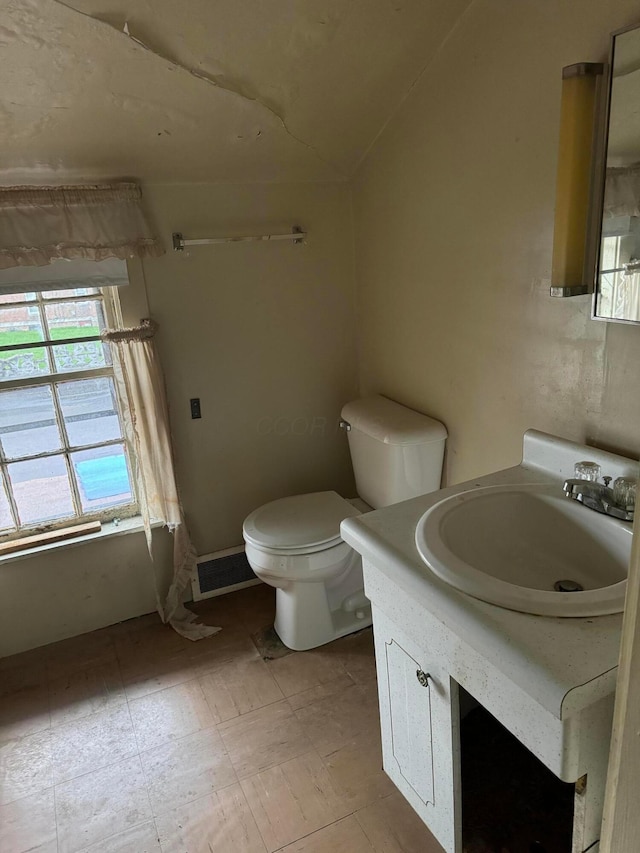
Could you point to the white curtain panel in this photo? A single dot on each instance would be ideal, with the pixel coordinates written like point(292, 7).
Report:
point(141, 385)
point(41, 224)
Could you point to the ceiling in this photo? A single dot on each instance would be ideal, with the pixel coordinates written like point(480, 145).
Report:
point(206, 90)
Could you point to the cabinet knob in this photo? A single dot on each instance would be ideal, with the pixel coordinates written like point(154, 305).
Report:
point(423, 677)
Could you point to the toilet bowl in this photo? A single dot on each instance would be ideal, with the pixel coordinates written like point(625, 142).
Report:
point(294, 543)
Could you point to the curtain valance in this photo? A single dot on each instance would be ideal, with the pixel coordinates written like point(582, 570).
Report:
point(41, 224)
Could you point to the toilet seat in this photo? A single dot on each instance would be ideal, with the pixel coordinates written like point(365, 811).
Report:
point(302, 524)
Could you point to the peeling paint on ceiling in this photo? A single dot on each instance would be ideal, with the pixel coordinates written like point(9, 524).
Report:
point(206, 91)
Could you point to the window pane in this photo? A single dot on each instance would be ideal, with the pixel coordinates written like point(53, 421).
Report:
point(6, 521)
point(41, 489)
point(103, 477)
point(89, 410)
point(63, 294)
point(20, 325)
point(23, 364)
point(75, 319)
point(28, 422)
point(8, 298)
point(80, 356)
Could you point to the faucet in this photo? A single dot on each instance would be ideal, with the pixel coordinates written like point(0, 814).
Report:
point(597, 496)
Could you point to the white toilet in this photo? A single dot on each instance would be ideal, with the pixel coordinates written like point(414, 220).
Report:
point(294, 543)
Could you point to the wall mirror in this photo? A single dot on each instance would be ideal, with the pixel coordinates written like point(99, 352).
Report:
point(617, 278)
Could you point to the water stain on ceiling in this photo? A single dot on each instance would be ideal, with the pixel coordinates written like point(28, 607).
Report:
point(206, 90)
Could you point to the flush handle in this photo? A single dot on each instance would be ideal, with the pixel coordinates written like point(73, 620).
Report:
point(345, 425)
point(423, 677)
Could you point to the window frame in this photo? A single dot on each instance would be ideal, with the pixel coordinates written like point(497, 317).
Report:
point(108, 297)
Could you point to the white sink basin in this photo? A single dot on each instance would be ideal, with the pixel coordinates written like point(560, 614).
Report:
point(509, 545)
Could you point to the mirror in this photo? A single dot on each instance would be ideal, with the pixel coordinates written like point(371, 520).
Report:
point(617, 284)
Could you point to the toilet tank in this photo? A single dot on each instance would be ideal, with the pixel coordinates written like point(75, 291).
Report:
point(397, 453)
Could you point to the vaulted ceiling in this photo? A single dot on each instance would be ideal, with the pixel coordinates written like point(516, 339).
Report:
point(206, 90)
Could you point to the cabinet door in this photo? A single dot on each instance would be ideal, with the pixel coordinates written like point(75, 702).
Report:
point(420, 730)
point(410, 719)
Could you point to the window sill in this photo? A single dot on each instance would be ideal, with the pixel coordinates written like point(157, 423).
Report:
point(109, 530)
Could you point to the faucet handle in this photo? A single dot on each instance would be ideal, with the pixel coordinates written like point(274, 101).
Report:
point(587, 471)
point(624, 492)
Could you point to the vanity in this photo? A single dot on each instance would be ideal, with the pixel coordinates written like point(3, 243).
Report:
point(548, 679)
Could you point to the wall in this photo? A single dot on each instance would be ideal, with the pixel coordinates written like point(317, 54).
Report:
point(454, 222)
point(78, 588)
point(263, 333)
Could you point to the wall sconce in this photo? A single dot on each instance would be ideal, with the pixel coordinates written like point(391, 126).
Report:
point(575, 151)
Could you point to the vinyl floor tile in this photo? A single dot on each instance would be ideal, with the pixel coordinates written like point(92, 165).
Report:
point(155, 675)
point(263, 738)
point(304, 670)
point(29, 825)
point(321, 691)
point(392, 826)
point(88, 650)
point(356, 771)
point(151, 669)
point(237, 688)
point(356, 653)
point(219, 823)
point(293, 800)
point(142, 838)
point(24, 712)
point(170, 714)
point(27, 669)
point(186, 769)
point(93, 807)
point(86, 691)
point(345, 836)
point(91, 743)
point(25, 766)
point(331, 723)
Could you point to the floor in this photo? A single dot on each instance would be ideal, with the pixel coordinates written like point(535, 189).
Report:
point(134, 740)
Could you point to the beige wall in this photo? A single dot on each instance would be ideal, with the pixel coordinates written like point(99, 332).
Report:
point(78, 588)
point(454, 222)
point(263, 333)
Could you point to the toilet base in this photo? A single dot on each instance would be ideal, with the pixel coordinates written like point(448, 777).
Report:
point(305, 621)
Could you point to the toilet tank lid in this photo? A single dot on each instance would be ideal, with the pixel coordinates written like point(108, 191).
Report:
point(392, 423)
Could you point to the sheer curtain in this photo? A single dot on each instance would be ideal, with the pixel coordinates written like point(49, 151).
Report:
point(141, 386)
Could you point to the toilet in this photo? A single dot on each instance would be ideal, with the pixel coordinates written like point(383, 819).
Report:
point(294, 543)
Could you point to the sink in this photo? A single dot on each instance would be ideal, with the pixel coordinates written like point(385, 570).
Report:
point(521, 546)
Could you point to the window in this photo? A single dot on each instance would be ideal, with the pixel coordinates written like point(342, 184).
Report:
point(63, 454)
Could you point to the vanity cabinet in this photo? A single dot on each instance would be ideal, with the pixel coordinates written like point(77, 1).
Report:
point(419, 721)
point(421, 665)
